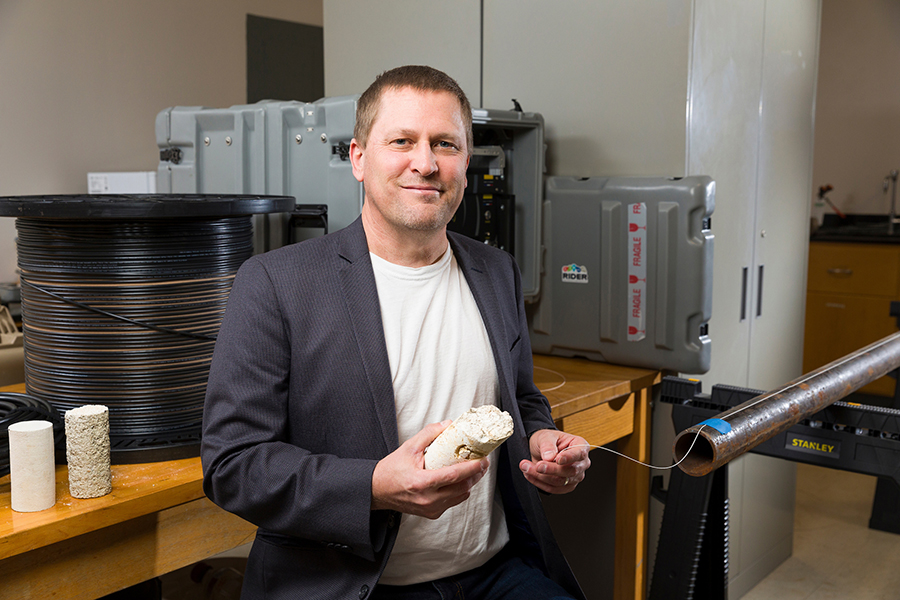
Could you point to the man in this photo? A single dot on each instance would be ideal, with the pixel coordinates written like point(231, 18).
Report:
point(341, 359)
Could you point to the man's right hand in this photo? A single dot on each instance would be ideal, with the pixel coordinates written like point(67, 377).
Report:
point(401, 482)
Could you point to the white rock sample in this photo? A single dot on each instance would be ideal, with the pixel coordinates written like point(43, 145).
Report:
point(474, 435)
point(32, 468)
point(87, 451)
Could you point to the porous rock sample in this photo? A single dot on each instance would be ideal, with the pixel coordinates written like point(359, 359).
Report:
point(87, 451)
point(475, 434)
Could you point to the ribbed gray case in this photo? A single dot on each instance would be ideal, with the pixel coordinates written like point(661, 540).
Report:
point(627, 271)
point(272, 147)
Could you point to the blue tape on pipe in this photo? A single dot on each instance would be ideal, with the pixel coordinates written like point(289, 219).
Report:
point(717, 424)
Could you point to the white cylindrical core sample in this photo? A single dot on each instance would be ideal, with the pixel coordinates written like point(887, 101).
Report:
point(87, 451)
point(474, 435)
point(32, 468)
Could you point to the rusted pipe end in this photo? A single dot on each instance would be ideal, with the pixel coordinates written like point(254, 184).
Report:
point(695, 454)
point(740, 429)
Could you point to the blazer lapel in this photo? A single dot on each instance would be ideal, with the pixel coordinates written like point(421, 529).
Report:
point(485, 295)
point(361, 298)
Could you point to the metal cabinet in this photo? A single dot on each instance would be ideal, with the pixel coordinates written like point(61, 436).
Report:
point(750, 127)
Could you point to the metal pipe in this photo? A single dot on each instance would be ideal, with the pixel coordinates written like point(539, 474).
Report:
point(742, 428)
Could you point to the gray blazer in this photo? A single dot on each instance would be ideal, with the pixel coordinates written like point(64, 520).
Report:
point(300, 407)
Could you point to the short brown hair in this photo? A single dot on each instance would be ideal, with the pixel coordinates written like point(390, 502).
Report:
point(417, 77)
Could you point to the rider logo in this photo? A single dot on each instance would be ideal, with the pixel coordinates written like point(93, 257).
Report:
point(574, 274)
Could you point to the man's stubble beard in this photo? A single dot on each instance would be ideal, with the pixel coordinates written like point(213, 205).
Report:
point(411, 217)
point(438, 220)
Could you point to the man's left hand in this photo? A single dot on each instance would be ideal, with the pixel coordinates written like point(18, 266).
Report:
point(558, 461)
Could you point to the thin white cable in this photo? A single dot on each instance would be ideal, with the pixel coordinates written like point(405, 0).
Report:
point(561, 376)
point(636, 460)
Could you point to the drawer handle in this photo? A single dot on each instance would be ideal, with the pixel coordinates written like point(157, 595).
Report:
point(842, 272)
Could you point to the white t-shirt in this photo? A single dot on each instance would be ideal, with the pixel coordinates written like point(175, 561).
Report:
point(441, 366)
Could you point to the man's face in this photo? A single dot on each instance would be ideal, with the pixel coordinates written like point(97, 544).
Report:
point(414, 163)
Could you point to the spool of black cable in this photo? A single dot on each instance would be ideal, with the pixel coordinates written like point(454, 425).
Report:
point(122, 297)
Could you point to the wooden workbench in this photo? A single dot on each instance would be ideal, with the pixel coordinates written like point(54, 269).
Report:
point(157, 518)
point(603, 403)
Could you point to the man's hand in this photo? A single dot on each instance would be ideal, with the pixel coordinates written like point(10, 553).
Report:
point(400, 481)
point(558, 461)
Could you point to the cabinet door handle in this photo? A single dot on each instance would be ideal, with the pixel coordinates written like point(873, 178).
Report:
point(759, 291)
point(840, 272)
point(744, 275)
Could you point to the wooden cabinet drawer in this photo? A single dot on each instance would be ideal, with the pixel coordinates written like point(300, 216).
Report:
point(604, 423)
point(865, 269)
point(838, 324)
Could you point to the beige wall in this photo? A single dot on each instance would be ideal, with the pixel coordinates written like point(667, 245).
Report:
point(608, 77)
point(81, 83)
point(364, 38)
point(858, 103)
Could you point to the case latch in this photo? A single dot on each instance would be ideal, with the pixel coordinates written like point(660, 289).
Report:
point(172, 155)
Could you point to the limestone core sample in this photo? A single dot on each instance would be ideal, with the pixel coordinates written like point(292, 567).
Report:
point(32, 468)
point(474, 435)
point(87, 451)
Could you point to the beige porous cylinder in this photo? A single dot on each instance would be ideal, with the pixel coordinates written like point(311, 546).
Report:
point(474, 435)
point(32, 468)
point(87, 451)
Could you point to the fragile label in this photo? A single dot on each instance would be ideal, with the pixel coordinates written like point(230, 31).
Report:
point(637, 271)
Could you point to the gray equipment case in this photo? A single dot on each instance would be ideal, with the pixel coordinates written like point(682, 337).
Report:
point(302, 150)
point(627, 272)
point(574, 249)
point(272, 148)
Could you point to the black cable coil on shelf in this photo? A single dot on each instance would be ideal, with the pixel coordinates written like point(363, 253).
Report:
point(125, 313)
point(15, 408)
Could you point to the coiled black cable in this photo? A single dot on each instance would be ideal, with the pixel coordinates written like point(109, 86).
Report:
point(125, 313)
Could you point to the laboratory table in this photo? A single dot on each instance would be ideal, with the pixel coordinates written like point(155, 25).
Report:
point(157, 518)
